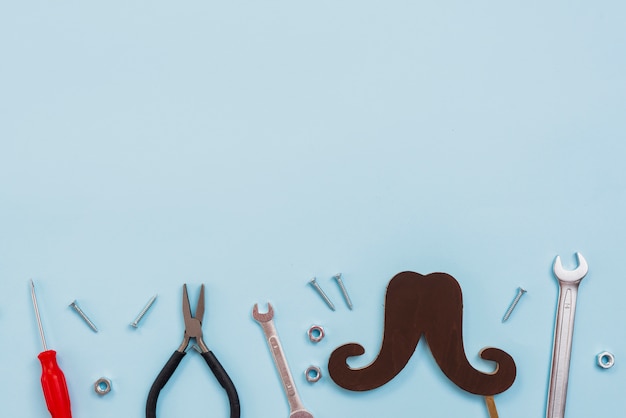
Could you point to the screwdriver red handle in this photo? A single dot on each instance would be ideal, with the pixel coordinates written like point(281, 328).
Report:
point(54, 386)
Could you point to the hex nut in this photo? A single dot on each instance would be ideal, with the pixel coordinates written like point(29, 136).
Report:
point(313, 374)
point(102, 386)
point(605, 360)
point(316, 333)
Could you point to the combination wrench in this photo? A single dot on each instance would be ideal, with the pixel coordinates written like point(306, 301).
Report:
point(265, 320)
point(563, 331)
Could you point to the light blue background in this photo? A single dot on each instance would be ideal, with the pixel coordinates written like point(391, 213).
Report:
point(251, 145)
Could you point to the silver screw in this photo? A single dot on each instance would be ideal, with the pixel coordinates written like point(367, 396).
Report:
point(343, 289)
point(82, 315)
point(520, 293)
point(143, 312)
point(319, 290)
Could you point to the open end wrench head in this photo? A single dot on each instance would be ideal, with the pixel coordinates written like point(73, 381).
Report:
point(571, 276)
point(263, 317)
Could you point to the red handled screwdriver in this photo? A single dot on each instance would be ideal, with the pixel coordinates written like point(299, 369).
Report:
point(52, 377)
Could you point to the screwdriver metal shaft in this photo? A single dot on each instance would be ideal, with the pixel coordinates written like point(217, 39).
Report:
point(34, 297)
point(52, 378)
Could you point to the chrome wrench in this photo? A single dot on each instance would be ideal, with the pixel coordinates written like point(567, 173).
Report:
point(265, 320)
point(563, 331)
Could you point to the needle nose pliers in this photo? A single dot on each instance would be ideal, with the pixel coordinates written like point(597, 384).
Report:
point(193, 329)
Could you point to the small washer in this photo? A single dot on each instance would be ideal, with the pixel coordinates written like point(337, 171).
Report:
point(605, 360)
point(316, 333)
point(313, 374)
point(102, 386)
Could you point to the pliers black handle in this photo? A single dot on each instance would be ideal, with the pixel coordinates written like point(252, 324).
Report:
point(193, 329)
point(168, 371)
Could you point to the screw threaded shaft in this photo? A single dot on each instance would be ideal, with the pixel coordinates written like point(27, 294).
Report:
point(84, 316)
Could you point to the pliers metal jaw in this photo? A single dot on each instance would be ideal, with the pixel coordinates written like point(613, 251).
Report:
point(193, 324)
point(193, 330)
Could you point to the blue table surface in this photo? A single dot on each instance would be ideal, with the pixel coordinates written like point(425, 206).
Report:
point(252, 145)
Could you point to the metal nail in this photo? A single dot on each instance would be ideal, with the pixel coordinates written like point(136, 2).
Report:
point(520, 293)
point(82, 315)
point(343, 289)
point(143, 312)
point(319, 290)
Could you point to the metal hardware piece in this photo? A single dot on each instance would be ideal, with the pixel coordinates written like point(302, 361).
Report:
point(80, 312)
point(143, 312)
point(102, 386)
point(337, 277)
point(313, 374)
point(265, 320)
point(569, 281)
point(316, 333)
point(316, 286)
point(605, 360)
point(520, 293)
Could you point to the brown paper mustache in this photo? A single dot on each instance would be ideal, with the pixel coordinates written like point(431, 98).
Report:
point(431, 306)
